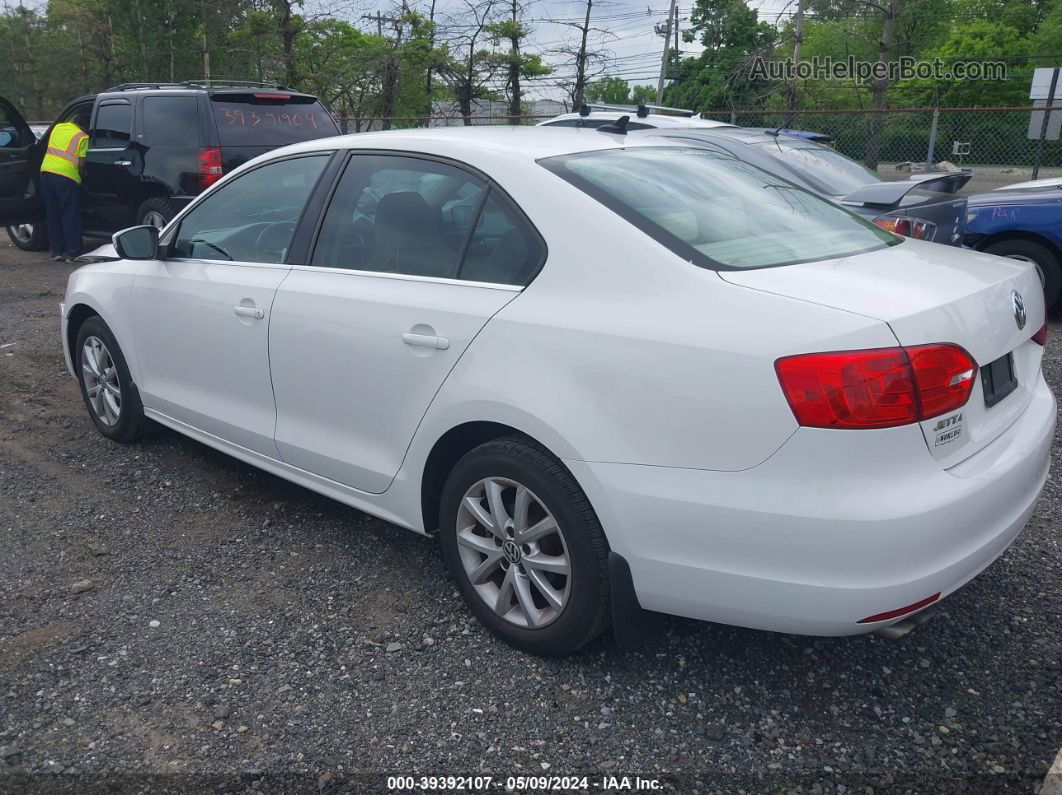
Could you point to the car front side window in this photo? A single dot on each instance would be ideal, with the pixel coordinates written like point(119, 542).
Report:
point(253, 217)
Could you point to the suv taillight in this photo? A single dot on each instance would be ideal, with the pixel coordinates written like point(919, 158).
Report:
point(210, 168)
point(877, 388)
point(1040, 337)
point(908, 227)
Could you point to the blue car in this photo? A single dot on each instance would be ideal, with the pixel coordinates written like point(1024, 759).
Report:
point(1021, 223)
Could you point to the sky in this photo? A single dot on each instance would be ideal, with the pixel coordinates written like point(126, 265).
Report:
point(624, 32)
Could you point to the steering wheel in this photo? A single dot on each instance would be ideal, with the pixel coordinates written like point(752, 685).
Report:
point(272, 242)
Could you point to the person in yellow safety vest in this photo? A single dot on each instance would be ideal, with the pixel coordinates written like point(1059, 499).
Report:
point(61, 186)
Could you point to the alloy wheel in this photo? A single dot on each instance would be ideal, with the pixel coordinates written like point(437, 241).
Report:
point(513, 552)
point(100, 376)
point(23, 233)
point(155, 219)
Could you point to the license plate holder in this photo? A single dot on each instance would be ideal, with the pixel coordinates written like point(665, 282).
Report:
point(998, 379)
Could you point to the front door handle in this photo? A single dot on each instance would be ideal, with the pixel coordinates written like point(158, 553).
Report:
point(249, 311)
point(123, 162)
point(426, 341)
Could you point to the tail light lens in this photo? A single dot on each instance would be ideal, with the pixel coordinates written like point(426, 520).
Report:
point(1040, 337)
point(210, 168)
point(878, 388)
point(908, 227)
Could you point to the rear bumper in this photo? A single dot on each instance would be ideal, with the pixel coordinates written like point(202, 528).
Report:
point(823, 534)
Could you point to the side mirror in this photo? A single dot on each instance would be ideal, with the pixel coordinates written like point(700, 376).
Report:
point(137, 242)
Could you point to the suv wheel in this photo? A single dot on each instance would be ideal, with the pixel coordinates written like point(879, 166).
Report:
point(525, 547)
point(29, 237)
point(155, 212)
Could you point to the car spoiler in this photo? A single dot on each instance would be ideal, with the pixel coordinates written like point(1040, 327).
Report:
point(888, 194)
point(946, 182)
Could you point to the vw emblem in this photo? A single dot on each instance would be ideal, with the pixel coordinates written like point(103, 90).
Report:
point(511, 551)
point(1019, 309)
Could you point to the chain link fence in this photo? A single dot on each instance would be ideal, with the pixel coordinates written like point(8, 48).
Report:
point(992, 142)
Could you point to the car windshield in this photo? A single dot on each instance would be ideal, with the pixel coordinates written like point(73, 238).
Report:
point(715, 210)
point(826, 168)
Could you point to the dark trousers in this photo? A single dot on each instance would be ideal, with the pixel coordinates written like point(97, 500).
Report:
point(62, 211)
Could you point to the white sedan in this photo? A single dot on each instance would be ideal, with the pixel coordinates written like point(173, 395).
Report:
point(608, 373)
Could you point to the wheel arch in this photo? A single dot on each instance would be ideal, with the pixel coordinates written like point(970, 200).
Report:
point(1019, 234)
point(448, 450)
point(75, 319)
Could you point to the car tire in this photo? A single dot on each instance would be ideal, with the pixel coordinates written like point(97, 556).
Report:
point(107, 388)
point(29, 237)
point(156, 212)
point(1044, 258)
point(505, 581)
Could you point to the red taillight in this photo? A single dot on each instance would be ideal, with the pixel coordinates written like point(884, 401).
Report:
point(263, 95)
point(908, 227)
point(877, 388)
point(1040, 337)
point(210, 168)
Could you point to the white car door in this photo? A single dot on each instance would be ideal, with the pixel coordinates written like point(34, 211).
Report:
point(201, 313)
point(413, 257)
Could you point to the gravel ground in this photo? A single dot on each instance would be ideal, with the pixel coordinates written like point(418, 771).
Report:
point(171, 619)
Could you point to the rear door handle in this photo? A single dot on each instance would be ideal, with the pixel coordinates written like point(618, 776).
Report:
point(426, 341)
point(249, 311)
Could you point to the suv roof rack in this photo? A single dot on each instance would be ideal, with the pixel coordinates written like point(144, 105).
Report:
point(642, 110)
point(211, 83)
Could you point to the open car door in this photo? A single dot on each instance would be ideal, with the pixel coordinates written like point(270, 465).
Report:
point(20, 160)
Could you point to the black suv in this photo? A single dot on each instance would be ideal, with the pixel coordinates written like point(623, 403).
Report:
point(152, 148)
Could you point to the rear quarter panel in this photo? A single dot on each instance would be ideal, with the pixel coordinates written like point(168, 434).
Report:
point(622, 352)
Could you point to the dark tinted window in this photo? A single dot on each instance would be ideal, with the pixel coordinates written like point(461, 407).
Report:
point(399, 215)
point(250, 120)
point(13, 132)
point(502, 249)
point(113, 123)
point(252, 218)
point(171, 121)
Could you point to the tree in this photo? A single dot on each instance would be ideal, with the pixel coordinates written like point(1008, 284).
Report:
point(609, 91)
point(467, 66)
point(517, 65)
point(732, 35)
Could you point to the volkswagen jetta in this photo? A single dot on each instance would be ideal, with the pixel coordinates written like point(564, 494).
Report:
point(608, 373)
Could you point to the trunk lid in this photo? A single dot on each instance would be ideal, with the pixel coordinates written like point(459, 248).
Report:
point(930, 293)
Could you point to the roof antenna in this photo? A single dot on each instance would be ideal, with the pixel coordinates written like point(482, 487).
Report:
point(784, 124)
point(619, 126)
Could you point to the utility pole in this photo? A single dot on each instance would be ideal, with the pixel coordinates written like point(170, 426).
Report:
point(672, 12)
point(798, 29)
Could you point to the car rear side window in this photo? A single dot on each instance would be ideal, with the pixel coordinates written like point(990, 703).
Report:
point(399, 215)
point(253, 217)
point(113, 124)
point(270, 119)
point(716, 211)
point(171, 121)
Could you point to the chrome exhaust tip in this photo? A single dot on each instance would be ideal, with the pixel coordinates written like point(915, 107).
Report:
point(905, 625)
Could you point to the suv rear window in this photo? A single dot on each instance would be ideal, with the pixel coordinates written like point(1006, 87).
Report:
point(270, 119)
point(716, 211)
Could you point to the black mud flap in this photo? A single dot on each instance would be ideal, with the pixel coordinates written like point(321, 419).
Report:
point(632, 624)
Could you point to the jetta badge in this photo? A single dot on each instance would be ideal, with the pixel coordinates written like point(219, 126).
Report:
point(1019, 309)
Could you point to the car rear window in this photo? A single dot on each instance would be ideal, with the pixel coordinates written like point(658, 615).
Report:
point(824, 167)
point(270, 119)
point(715, 210)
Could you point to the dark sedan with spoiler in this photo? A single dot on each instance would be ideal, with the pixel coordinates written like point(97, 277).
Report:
point(925, 206)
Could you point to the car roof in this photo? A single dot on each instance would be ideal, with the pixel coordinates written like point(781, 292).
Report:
point(511, 142)
point(659, 119)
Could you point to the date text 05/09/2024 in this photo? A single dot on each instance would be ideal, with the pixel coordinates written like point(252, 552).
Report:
point(522, 783)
